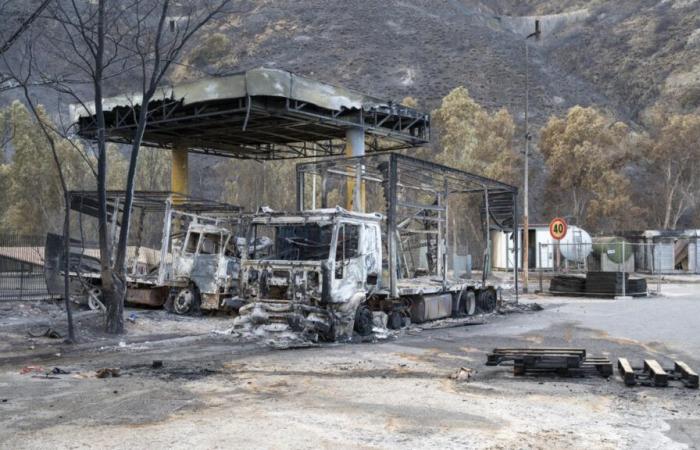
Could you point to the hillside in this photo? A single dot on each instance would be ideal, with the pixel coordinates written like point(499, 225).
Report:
point(418, 48)
point(623, 55)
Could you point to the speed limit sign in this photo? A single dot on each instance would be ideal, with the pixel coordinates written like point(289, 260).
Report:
point(557, 228)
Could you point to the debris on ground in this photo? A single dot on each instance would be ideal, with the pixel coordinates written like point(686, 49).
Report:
point(511, 307)
point(462, 374)
point(59, 371)
point(48, 332)
point(107, 373)
point(31, 369)
point(449, 323)
point(157, 364)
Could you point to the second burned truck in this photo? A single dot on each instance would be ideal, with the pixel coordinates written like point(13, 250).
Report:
point(322, 275)
point(327, 271)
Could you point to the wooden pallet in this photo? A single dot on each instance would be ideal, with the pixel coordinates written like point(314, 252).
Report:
point(562, 361)
point(653, 374)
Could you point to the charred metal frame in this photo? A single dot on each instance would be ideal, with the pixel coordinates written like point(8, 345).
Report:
point(263, 127)
point(396, 172)
point(87, 203)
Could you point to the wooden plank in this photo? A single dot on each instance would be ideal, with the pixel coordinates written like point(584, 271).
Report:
point(690, 378)
point(626, 371)
point(541, 350)
point(656, 371)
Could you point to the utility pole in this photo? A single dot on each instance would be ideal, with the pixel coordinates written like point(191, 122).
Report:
point(526, 182)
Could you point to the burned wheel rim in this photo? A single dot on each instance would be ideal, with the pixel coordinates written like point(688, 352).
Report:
point(184, 301)
point(469, 303)
point(95, 299)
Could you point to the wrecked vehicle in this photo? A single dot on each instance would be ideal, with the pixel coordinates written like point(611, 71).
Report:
point(195, 268)
point(324, 275)
point(329, 272)
point(200, 265)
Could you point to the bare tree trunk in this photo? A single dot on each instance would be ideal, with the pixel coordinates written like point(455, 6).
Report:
point(66, 265)
point(114, 321)
point(66, 221)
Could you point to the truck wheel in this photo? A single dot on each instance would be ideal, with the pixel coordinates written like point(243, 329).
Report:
point(486, 302)
point(468, 303)
point(363, 321)
point(186, 301)
point(395, 320)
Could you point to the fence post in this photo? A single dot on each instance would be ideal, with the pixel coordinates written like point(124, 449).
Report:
point(539, 255)
point(21, 281)
point(624, 261)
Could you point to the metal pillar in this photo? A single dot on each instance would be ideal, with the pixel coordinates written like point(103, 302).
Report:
point(526, 181)
point(515, 243)
point(300, 189)
point(355, 146)
point(180, 171)
point(391, 226)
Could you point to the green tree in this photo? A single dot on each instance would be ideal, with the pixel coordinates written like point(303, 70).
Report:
point(473, 140)
point(672, 160)
point(33, 199)
point(586, 155)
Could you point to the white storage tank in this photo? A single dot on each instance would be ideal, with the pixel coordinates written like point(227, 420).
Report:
point(576, 244)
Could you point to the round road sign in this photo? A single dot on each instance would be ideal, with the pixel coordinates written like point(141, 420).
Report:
point(557, 228)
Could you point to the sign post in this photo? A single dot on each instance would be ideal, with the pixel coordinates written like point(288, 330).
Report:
point(557, 229)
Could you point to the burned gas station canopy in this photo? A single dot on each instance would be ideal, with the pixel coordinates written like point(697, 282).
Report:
point(259, 114)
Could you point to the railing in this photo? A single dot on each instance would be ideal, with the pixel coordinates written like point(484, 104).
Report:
point(22, 268)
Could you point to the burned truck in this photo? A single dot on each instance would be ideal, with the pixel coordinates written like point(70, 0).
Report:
point(195, 268)
point(200, 261)
point(329, 272)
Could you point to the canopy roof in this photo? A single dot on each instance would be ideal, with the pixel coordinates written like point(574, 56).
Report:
point(259, 114)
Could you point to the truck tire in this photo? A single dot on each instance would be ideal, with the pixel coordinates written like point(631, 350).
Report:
point(363, 321)
point(486, 301)
point(186, 301)
point(395, 321)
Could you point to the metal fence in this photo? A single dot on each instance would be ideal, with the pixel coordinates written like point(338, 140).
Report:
point(22, 268)
point(668, 257)
point(612, 261)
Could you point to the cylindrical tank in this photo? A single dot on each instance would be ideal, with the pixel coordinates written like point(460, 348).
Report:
point(612, 246)
point(576, 244)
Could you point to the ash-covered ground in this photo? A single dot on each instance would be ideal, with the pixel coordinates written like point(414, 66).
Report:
point(422, 388)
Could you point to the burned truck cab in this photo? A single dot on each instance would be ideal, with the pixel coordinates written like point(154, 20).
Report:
point(202, 262)
point(310, 271)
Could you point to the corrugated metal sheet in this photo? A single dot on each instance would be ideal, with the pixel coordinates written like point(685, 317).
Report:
point(256, 82)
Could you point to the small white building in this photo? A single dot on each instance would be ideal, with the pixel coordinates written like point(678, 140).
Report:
point(667, 251)
point(574, 247)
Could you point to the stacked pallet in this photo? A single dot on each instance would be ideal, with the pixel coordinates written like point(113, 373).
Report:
point(561, 361)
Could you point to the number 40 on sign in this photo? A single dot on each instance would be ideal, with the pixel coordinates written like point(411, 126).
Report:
point(557, 228)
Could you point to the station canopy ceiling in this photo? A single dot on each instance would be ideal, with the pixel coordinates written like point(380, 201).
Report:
point(260, 114)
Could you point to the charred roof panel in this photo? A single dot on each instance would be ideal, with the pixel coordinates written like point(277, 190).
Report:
point(259, 114)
